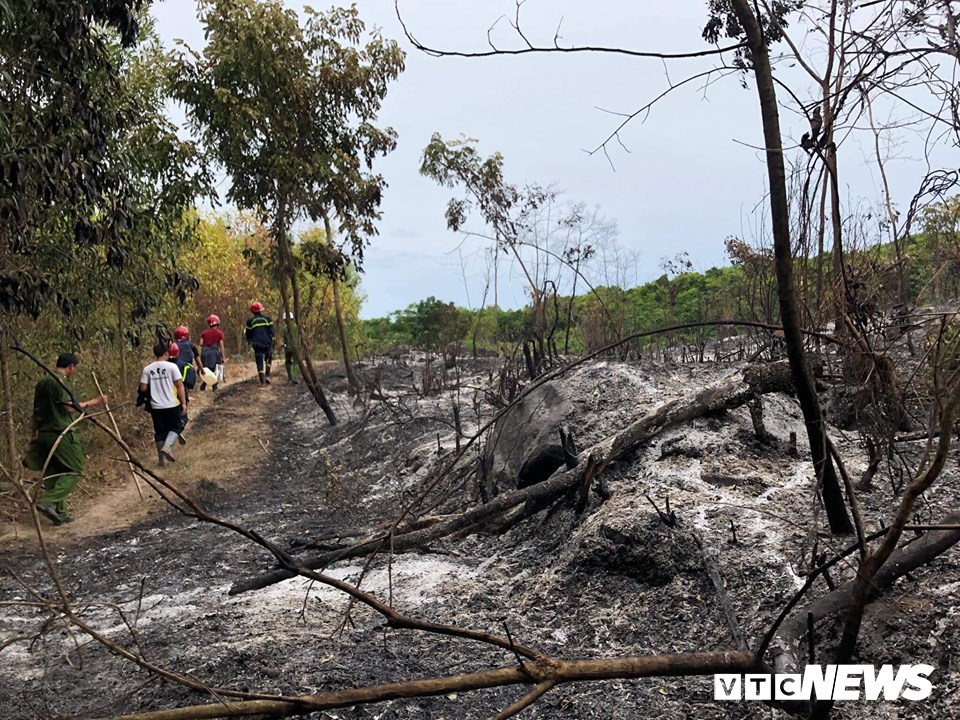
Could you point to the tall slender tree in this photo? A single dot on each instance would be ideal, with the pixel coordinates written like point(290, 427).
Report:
point(739, 20)
point(287, 107)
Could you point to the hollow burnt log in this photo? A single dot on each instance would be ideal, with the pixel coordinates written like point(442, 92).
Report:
point(545, 461)
point(731, 393)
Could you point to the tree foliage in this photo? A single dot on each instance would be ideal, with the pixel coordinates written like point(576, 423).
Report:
point(288, 109)
point(722, 22)
point(95, 180)
point(225, 262)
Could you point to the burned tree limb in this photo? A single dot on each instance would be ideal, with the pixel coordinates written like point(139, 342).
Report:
point(583, 491)
point(900, 562)
point(720, 586)
point(667, 516)
point(764, 436)
point(676, 412)
point(874, 459)
point(540, 673)
point(526, 701)
point(756, 380)
point(330, 542)
point(726, 395)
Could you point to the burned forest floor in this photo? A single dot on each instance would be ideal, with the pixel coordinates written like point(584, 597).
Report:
point(612, 581)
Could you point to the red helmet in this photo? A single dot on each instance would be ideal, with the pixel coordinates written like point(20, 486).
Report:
point(213, 320)
point(181, 333)
point(174, 350)
point(256, 307)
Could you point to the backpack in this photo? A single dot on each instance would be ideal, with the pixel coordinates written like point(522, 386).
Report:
point(184, 361)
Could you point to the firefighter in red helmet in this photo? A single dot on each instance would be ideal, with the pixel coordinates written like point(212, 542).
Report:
point(259, 334)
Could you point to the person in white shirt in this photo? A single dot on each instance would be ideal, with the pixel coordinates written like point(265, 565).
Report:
point(168, 400)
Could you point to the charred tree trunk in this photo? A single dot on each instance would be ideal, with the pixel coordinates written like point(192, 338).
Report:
point(786, 292)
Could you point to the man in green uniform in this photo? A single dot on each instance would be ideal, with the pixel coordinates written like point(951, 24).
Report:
point(289, 360)
point(52, 409)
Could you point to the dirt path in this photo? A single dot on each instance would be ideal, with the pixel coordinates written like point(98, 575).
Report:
point(228, 430)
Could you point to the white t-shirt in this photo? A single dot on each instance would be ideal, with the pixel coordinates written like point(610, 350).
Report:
point(160, 375)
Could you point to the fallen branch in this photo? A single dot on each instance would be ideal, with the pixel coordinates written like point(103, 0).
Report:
point(900, 562)
point(540, 672)
point(116, 429)
point(726, 395)
point(720, 586)
point(526, 701)
point(755, 380)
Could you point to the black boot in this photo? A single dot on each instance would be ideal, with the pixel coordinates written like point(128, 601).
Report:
point(51, 512)
point(262, 379)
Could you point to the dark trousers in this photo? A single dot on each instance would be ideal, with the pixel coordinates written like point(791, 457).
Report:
point(166, 421)
point(210, 356)
point(263, 356)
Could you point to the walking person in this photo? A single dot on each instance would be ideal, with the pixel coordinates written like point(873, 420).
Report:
point(212, 355)
point(185, 359)
point(52, 408)
point(168, 398)
point(259, 334)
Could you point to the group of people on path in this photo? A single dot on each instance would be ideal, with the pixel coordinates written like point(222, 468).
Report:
point(164, 390)
point(165, 384)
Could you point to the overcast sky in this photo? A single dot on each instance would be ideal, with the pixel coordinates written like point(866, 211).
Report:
point(687, 178)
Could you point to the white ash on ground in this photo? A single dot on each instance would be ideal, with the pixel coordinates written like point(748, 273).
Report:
point(613, 581)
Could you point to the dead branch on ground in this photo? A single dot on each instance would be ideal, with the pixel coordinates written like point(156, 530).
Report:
point(726, 395)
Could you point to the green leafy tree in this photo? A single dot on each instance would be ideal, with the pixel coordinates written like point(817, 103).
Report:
point(227, 279)
point(288, 109)
point(94, 183)
point(94, 179)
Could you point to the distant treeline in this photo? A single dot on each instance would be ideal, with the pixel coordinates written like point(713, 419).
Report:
point(923, 270)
